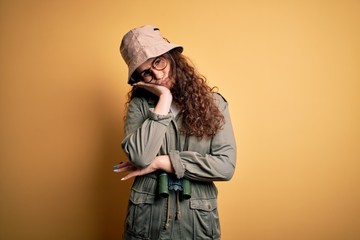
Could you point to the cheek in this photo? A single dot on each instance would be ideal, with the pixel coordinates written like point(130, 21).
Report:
point(167, 70)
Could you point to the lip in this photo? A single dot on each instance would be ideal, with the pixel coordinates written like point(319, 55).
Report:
point(164, 81)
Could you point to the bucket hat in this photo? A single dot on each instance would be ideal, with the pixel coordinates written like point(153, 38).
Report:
point(142, 43)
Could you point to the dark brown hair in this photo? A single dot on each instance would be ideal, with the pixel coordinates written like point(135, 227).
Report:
point(200, 115)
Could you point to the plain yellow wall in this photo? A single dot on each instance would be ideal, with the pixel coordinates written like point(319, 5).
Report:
point(290, 70)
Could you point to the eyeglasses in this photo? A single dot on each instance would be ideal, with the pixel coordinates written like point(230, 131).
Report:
point(159, 64)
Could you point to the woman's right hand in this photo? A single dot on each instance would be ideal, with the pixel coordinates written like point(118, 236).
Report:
point(156, 89)
point(164, 94)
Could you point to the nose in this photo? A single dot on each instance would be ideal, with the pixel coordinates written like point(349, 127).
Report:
point(158, 74)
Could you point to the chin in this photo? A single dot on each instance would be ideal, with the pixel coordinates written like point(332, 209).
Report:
point(169, 83)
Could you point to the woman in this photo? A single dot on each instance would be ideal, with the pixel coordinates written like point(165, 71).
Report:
point(178, 138)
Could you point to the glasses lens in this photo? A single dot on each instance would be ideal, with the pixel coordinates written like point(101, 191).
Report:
point(159, 63)
point(147, 78)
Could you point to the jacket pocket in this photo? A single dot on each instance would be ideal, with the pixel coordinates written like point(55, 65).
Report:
point(206, 218)
point(139, 215)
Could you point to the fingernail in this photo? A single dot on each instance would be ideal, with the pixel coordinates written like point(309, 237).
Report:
point(116, 170)
point(121, 162)
point(122, 179)
point(116, 166)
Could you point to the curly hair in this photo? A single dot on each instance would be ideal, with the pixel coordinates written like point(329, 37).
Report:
point(201, 116)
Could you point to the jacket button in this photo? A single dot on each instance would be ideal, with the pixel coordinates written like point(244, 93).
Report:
point(209, 206)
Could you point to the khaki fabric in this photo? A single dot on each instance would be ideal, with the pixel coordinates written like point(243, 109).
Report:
point(202, 161)
point(141, 44)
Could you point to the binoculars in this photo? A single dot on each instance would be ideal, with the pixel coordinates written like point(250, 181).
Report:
point(164, 186)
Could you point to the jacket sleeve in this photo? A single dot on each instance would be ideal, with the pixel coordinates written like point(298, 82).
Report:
point(144, 133)
point(218, 164)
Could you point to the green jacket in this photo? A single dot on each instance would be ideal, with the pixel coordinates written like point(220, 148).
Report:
point(202, 161)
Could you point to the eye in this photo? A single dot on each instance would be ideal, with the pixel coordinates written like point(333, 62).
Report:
point(157, 62)
point(146, 73)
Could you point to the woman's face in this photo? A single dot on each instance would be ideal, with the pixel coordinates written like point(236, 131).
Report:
point(156, 71)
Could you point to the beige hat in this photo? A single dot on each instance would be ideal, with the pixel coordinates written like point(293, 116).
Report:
point(140, 44)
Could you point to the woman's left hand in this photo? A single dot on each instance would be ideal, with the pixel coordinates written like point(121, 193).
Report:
point(160, 162)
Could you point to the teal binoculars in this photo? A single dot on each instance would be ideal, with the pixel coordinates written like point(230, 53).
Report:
point(185, 188)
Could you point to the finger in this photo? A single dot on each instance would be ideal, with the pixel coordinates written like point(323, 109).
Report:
point(117, 165)
point(125, 169)
point(147, 86)
point(131, 174)
point(126, 177)
point(127, 166)
point(122, 164)
point(136, 172)
point(141, 84)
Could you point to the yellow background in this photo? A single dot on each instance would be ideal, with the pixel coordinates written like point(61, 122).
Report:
point(289, 69)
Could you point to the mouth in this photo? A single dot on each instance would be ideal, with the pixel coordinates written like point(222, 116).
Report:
point(164, 81)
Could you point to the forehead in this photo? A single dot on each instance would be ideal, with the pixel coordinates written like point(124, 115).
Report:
point(145, 65)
